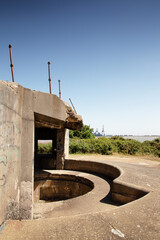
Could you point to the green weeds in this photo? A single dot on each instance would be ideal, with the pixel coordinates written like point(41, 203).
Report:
point(44, 148)
point(107, 146)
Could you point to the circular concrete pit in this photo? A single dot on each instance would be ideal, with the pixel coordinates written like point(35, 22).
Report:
point(64, 192)
point(58, 187)
point(70, 192)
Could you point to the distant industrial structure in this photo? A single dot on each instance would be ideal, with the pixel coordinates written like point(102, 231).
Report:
point(100, 134)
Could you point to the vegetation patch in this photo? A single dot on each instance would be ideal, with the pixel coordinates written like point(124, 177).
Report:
point(44, 148)
point(107, 146)
point(99, 145)
point(84, 141)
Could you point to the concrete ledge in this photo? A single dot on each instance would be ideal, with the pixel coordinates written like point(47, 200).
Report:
point(109, 171)
point(122, 193)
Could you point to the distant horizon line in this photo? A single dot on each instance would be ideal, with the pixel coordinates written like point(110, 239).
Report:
point(133, 135)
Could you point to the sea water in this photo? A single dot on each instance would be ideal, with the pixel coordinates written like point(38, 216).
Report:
point(141, 138)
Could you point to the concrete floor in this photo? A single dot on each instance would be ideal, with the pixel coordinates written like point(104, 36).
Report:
point(86, 217)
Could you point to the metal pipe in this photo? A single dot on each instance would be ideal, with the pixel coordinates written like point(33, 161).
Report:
point(73, 105)
point(59, 81)
point(49, 73)
point(10, 46)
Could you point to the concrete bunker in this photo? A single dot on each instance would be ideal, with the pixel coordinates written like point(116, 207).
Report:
point(26, 117)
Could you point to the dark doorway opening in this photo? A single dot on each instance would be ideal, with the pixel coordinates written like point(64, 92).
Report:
point(45, 148)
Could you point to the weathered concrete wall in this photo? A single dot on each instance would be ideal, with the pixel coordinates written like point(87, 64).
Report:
point(10, 150)
point(48, 105)
point(27, 155)
point(60, 149)
point(20, 110)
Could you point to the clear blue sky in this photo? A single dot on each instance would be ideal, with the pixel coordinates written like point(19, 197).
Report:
point(105, 52)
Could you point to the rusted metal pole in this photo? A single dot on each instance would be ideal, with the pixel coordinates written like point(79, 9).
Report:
point(49, 73)
point(10, 46)
point(73, 105)
point(59, 81)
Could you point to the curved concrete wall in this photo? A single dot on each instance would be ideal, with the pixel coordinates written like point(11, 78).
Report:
point(121, 192)
point(93, 167)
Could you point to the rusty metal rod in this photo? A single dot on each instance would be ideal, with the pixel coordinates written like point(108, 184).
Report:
point(59, 81)
point(10, 46)
point(73, 105)
point(49, 73)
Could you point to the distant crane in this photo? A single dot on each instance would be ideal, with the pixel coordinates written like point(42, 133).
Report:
point(96, 133)
point(103, 132)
